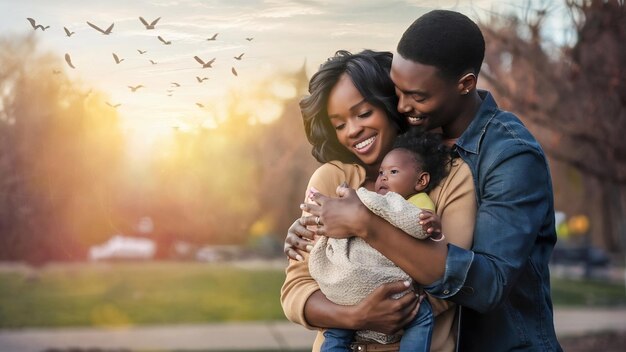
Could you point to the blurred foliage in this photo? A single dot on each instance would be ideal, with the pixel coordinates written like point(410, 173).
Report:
point(67, 181)
point(60, 153)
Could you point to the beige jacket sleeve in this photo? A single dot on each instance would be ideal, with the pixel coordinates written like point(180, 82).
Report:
point(299, 285)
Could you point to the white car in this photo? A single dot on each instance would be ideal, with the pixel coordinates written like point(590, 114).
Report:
point(123, 247)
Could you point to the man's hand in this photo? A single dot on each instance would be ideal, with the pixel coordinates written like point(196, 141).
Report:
point(341, 217)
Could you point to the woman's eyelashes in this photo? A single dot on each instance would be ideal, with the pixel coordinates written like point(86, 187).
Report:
point(365, 114)
point(341, 125)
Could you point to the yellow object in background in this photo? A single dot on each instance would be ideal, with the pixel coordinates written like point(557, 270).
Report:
point(578, 225)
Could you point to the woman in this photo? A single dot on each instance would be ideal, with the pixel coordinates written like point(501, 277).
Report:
point(351, 120)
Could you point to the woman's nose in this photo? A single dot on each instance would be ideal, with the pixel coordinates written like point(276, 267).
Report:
point(354, 129)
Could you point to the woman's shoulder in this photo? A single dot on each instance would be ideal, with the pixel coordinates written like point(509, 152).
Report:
point(337, 168)
point(334, 173)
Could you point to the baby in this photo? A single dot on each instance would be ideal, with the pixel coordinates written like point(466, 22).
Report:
point(347, 270)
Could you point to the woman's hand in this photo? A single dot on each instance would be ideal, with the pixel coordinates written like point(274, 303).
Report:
point(341, 217)
point(380, 312)
point(299, 237)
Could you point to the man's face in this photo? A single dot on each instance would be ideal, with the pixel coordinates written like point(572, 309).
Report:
point(426, 98)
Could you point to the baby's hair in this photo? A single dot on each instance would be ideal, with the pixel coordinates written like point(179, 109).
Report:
point(429, 154)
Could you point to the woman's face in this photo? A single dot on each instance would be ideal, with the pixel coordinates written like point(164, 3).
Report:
point(364, 129)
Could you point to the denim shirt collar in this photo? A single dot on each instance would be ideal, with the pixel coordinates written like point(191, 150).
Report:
point(471, 139)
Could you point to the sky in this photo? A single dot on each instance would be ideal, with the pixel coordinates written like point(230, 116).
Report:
point(285, 35)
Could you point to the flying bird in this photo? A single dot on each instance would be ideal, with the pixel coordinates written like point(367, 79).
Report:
point(35, 25)
point(166, 42)
point(213, 37)
point(153, 62)
point(141, 52)
point(117, 59)
point(204, 64)
point(238, 57)
point(174, 84)
point(201, 79)
point(200, 105)
point(113, 106)
point(68, 59)
point(67, 32)
point(134, 89)
point(56, 72)
point(149, 25)
point(233, 71)
point(249, 39)
point(106, 32)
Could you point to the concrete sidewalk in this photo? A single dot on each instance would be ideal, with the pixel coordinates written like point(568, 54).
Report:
point(278, 336)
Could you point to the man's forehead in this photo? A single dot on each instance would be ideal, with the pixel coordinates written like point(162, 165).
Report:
point(408, 75)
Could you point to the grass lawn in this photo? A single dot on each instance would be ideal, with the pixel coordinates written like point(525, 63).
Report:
point(122, 294)
point(119, 294)
point(590, 293)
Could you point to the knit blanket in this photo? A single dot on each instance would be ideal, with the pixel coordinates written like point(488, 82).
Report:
point(348, 270)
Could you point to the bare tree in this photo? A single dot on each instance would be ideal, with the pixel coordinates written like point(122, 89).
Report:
point(572, 97)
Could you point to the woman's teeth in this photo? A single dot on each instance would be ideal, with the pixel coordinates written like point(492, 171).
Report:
point(365, 143)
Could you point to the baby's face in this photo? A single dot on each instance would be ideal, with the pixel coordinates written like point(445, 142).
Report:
point(398, 173)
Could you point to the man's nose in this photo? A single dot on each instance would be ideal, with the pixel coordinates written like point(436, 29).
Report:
point(403, 106)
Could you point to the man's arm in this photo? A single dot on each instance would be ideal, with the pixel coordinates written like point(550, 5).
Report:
point(514, 202)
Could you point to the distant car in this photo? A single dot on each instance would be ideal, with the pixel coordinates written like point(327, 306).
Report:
point(123, 247)
point(219, 253)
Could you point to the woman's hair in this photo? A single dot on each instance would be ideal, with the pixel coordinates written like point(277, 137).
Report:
point(429, 154)
point(369, 71)
point(445, 39)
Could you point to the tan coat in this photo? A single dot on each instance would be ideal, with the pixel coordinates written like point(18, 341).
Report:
point(455, 203)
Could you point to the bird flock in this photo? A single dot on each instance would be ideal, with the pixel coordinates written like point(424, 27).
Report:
point(204, 63)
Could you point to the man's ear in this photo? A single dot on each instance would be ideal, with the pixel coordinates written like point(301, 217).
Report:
point(467, 83)
point(422, 181)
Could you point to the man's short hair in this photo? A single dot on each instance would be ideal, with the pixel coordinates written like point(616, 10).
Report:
point(445, 39)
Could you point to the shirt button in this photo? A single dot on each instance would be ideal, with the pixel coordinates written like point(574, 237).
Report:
point(445, 292)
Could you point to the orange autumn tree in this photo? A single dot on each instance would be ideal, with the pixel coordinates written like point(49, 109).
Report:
point(60, 149)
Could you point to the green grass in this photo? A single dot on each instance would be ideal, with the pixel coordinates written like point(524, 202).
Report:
point(136, 294)
point(590, 293)
point(125, 294)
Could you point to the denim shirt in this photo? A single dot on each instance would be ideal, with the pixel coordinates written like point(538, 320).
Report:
point(503, 284)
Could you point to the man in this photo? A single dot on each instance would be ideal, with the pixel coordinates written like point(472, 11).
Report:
point(502, 283)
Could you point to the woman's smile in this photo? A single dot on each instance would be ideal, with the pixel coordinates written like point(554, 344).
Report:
point(364, 146)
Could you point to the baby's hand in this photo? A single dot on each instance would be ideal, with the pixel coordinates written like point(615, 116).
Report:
point(431, 224)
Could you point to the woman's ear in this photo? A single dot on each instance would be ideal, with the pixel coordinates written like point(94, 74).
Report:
point(467, 83)
point(422, 181)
